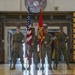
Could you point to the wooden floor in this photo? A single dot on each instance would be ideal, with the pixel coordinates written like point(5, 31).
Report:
point(62, 70)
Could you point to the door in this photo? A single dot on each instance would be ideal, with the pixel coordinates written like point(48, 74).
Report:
point(9, 31)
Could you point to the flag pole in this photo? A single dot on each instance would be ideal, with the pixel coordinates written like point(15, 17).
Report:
point(29, 35)
point(40, 35)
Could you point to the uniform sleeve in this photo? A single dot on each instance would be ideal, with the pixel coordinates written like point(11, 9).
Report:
point(51, 37)
point(65, 35)
point(56, 36)
point(23, 38)
point(36, 40)
point(22, 35)
point(13, 36)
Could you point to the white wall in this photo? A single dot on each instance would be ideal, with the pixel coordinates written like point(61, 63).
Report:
point(9, 5)
point(18, 5)
point(23, 8)
point(65, 5)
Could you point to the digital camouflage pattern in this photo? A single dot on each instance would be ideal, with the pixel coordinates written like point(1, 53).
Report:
point(33, 49)
point(45, 49)
point(17, 47)
point(61, 47)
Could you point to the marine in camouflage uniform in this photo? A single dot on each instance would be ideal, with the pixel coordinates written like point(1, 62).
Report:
point(61, 47)
point(46, 47)
point(33, 48)
point(16, 44)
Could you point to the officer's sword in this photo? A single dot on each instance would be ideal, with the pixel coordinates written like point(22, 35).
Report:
point(11, 59)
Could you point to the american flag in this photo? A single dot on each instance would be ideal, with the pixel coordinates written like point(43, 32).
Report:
point(29, 32)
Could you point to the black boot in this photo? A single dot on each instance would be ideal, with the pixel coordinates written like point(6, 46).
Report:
point(13, 68)
point(29, 67)
point(23, 68)
point(36, 67)
point(42, 68)
point(50, 68)
point(55, 66)
point(68, 67)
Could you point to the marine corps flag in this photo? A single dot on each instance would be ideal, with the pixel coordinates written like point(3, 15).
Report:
point(40, 30)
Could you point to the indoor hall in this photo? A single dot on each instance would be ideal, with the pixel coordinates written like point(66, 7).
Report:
point(55, 13)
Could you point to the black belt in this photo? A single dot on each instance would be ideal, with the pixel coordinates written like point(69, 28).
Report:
point(17, 42)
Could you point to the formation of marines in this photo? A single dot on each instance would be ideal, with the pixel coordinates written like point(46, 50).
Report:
point(17, 48)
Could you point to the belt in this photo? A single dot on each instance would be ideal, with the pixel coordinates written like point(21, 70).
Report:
point(17, 42)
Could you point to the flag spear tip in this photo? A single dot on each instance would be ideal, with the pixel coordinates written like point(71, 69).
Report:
point(40, 8)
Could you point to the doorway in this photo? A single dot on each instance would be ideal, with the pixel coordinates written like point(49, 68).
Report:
point(9, 31)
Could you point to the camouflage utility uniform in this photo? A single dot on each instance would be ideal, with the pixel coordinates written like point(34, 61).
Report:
point(61, 47)
point(18, 47)
point(33, 49)
point(45, 49)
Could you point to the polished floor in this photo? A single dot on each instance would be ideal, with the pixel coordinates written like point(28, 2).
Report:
point(62, 70)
